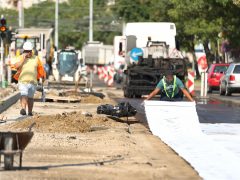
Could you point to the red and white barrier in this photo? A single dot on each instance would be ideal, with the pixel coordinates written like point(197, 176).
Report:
point(190, 83)
point(106, 73)
point(100, 72)
point(111, 75)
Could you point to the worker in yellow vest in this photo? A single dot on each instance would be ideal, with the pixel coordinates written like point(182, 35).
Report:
point(171, 88)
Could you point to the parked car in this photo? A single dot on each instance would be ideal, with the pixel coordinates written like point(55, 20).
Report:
point(215, 72)
point(230, 82)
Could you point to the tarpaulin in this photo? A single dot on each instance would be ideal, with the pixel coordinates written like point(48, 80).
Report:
point(177, 124)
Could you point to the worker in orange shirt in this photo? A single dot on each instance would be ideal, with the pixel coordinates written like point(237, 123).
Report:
point(29, 70)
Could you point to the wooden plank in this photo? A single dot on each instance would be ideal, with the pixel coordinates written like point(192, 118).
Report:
point(63, 98)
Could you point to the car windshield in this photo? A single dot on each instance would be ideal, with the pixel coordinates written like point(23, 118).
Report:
point(20, 42)
point(67, 62)
point(237, 69)
point(219, 69)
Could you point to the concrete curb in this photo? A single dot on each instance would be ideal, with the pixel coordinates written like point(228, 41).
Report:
point(229, 102)
point(8, 101)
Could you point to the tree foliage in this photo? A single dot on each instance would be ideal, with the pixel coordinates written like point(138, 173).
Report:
point(73, 21)
point(195, 20)
point(142, 10)
point(204, 20)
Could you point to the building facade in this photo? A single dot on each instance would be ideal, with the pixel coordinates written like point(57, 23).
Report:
point(13, 4)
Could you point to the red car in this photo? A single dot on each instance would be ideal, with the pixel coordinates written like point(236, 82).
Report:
point(215, 72)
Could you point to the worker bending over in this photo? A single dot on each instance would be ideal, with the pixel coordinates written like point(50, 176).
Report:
point(171, 89)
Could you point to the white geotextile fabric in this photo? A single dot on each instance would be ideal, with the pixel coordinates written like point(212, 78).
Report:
point(177, 124)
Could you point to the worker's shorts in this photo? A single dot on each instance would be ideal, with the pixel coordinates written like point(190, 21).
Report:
point(27, 89)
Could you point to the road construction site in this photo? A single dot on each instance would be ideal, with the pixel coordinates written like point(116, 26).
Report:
point(72, 141)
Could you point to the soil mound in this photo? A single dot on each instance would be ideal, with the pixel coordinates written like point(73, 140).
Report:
point(74, 122)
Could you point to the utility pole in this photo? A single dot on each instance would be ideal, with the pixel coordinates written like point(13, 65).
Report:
point(90, 20)
point(56, 24)
point(3, 29)
point(2, 64)
point(20, 14)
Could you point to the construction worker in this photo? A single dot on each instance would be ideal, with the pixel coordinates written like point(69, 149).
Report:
point(82, 74)
point(170, 88)
point(29, 70)
point(11, 60)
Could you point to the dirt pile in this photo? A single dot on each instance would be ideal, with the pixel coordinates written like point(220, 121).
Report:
point(74, 122)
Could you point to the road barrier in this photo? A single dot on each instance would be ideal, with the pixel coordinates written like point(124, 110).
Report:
point(111, 75)
point(190, 83)
point(100, 72)
point(177, 124)
point(106, 73)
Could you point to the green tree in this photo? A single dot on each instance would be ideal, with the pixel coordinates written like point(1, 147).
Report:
point(143, 10)
point(204, 20)
point(74, 21)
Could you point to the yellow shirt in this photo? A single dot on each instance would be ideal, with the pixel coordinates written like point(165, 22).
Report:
point(29, 71)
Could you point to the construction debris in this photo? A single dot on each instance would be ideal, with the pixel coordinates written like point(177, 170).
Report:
point(123, 109)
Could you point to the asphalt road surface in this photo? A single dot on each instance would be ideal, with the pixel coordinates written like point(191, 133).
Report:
point(210, 110)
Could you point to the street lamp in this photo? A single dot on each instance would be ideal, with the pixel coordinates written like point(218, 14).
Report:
point(90, 20)
point(56, 24)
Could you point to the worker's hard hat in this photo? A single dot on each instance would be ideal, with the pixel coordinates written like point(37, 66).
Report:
point(27, 46)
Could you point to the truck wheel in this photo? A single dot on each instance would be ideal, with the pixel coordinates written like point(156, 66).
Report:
point(127, 93)
point(8, 158)
point(209, 89)
point(8, 162)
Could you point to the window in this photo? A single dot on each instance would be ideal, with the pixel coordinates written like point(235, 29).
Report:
point(230, 68)
point(20, 42)
point(220, 69)
point(236, 69)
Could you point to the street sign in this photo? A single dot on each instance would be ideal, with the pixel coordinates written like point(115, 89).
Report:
point(201, 57)
point(135, 52)
point(202, 63)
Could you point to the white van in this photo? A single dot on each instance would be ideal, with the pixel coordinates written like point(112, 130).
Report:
point(158, 31)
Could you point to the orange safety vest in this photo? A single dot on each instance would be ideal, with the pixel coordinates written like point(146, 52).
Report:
point(40, 70)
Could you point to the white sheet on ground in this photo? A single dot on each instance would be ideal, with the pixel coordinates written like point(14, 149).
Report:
point(177, 124)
